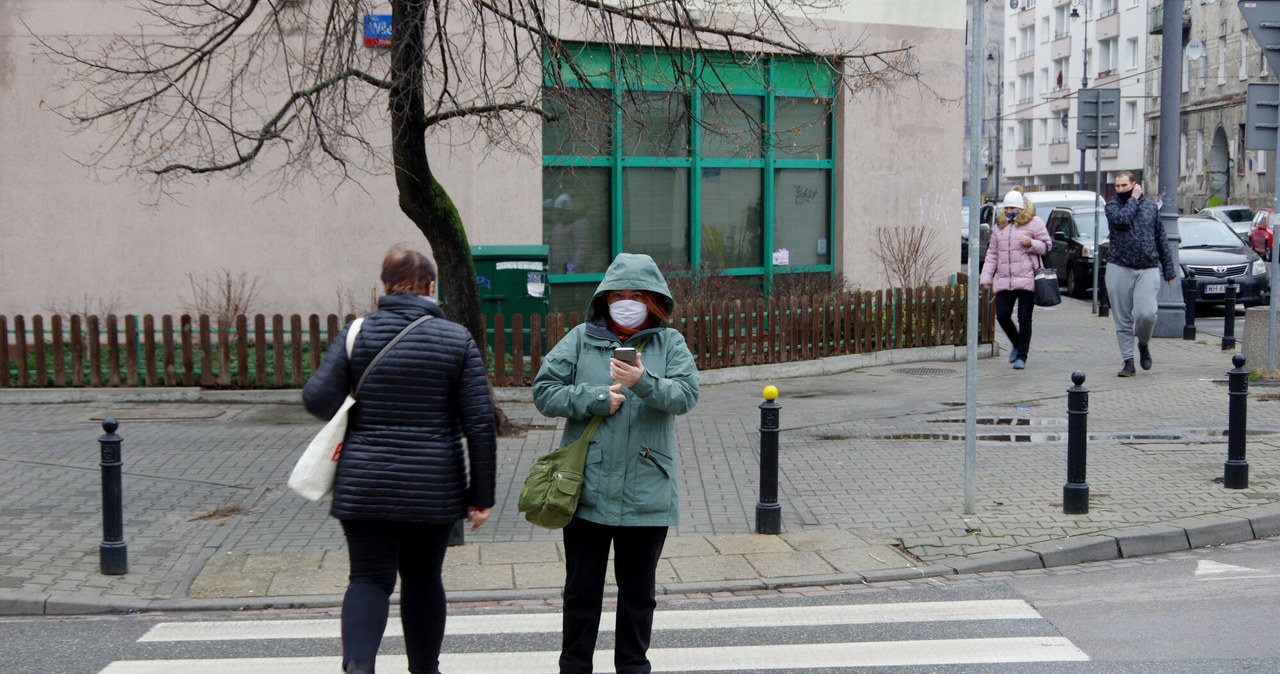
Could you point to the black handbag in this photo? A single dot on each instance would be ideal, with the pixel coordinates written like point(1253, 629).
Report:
point(1047, 292)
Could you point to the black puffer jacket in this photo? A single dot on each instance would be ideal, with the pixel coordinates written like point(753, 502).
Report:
point(403, 457)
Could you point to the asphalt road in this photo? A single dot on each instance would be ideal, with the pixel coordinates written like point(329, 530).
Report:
point(1209, 610)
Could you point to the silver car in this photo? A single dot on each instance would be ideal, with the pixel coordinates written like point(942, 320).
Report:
point(1238, 218)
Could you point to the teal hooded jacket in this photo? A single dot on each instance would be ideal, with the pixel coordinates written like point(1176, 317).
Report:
point(630, 474)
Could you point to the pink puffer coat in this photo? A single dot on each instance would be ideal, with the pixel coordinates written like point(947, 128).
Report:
point(1009, 265)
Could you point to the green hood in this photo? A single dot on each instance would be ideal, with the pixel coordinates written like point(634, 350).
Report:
point(631, 271)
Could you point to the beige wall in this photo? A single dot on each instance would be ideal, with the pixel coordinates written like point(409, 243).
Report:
point(902, 155)
point(70, 238)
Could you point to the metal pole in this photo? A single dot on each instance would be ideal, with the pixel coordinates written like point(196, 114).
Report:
point(1275, 266)
point(113, 553)
point(1229, 318)
point(1189, 291)
point(768, 511)
point(1097, 199)
point(1084, 79)
point(1235, 473)
point(976, 30)
point(1075, 493)
point(1171, 306)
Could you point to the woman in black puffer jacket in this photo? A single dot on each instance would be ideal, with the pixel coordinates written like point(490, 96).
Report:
point(402, 478)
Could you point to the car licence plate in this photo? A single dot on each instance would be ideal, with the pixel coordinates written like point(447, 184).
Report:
point(1214, 289)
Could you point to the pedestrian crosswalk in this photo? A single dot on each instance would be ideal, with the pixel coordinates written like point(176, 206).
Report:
point(708, 640)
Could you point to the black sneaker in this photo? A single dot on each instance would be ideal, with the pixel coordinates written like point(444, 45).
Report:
point(1144, 356)
point(1127, 370)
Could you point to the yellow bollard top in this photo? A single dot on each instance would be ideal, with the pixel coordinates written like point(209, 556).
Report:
point(770, 392)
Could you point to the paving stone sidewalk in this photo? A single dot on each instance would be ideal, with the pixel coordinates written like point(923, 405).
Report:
point(871, 483)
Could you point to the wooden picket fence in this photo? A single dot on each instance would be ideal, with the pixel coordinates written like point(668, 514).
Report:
point(272, 352)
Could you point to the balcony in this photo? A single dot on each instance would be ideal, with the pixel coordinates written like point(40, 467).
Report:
point(1157, 19)
point(1059, 152)
point(1022, 156)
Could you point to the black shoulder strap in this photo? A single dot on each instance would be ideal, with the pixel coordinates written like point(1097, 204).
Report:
point(407, 329)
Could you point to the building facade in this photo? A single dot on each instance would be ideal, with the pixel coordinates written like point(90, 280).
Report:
point(1220, 59)
point(80, 240)
point(1051, 49)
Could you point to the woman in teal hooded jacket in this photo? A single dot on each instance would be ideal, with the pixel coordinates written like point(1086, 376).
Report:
point(629, 491)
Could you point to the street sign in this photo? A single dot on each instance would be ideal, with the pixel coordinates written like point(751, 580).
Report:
point(1263, 17)
point(1088, 140)
point(1098, 107)
point(377, 30)
point(1262, 117)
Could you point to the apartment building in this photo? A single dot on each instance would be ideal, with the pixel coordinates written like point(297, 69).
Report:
point(1051, 48)
point(1220, 59)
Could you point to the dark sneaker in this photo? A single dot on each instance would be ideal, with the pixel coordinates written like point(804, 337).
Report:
point(1127, 370)
point(1144, 356)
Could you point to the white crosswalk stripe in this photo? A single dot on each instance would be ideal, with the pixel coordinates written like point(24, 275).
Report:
point(713, 657)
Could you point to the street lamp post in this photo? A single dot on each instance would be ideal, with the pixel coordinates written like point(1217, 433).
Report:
point(1084, 65)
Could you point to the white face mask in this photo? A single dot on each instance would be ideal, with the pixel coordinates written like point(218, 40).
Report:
point(628, 313)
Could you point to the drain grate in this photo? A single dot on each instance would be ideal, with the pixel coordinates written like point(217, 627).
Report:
point(924, 370)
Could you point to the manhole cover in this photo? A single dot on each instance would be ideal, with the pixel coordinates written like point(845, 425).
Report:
point(924, 370)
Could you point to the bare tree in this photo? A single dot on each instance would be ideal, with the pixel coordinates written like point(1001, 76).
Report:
point(215, 86)
point(909, 256)
point(223, 294)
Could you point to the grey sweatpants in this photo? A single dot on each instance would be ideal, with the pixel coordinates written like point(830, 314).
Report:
point(1133, 304)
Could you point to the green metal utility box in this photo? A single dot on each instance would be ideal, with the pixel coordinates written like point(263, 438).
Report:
point(512, 280)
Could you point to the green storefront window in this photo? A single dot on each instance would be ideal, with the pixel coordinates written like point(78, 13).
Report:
point(582, 124)
point(732, 127)
point(802, 213)
point(708, 157)
point(655, 213)
point(575, 219)
point(732, 223)
point(655, 124)
point(802, 128)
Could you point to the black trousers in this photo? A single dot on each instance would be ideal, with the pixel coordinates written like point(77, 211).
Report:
point(1019, 335)
point(635, 563)
point(378, 550)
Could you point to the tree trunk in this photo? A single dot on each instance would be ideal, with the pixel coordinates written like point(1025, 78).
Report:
point(422, 197)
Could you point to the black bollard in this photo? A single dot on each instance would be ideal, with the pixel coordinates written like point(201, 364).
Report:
point(768, 511)
point(113, 554)
point(1190, 287)
point(1075, 493)
point(1104, 301)
point(1229, 318)
point(1235, 474)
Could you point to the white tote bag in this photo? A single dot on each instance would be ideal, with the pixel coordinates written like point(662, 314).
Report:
point(313, 475)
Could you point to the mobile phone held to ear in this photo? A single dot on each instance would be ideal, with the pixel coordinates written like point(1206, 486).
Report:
point(625, 354)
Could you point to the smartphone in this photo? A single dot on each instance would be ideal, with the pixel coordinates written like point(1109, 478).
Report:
point(625, 354)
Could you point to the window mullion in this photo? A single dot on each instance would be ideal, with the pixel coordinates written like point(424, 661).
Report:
point(767, 210)
point(615, 172)
point(695, 172)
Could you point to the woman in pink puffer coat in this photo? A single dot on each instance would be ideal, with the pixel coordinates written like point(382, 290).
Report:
point(1013, 255)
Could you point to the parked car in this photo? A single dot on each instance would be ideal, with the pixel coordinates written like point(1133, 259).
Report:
point(1238, 218)
point(1211, 254)
point(1074, 250)
point(986, 217)
point(1208, 252)
point(1260, 233)
point(1048, 200)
